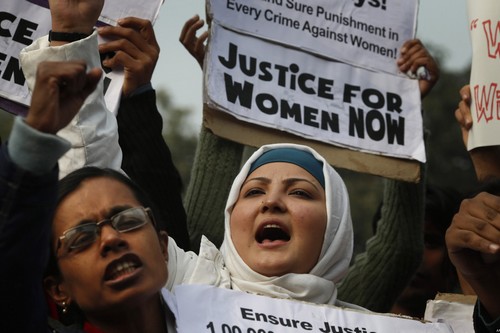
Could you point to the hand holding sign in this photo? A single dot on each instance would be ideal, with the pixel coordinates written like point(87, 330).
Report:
point(462, 114)
point(135, 49)
point(413, 56)
point(486, 159)
point(194, 45)
point(473, 235)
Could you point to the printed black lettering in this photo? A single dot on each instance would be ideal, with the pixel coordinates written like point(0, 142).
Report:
point(247, 314)
point(4, 16)
point(265, 73)
point(349, 92)
point(237, 91)
point(267, 103)
point(394, 102)
point(325, 87)
point(294, 111)
point(230, 62)
point(375, 127)
point(330, 121)
point(12, 70)
point(395, 130)
point(356, 122)
point(24, 31)
point(377, 102)
point(310, 115)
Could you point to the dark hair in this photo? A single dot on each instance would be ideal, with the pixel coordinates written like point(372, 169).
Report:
point(72, 181)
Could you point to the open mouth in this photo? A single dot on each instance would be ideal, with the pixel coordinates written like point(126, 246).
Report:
point(122, 267)
point(272, 232)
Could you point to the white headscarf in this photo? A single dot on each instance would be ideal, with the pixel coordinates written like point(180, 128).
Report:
point(318, 286)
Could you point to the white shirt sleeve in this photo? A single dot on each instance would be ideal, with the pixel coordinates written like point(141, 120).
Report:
point(93, 133)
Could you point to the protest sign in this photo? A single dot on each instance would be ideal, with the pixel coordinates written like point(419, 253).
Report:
point(201, 308)
point(453, 309)
point(224, 125)
point(318, 99)
point(364, 33)
point(22, 22)
point(485, 73)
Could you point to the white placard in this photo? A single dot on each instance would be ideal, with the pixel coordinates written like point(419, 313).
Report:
point(457, 315)
point(285, 89)
point(485, 73)
point(22, 22)
point(208, 309)
point(365, 33)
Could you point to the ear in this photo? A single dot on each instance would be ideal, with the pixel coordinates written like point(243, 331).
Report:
point(163, 237)
point(54, 286)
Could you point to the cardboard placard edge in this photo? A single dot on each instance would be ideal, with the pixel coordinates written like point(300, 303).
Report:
point(228, 127)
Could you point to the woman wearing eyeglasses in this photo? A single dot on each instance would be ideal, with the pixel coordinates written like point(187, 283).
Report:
point(108, 260)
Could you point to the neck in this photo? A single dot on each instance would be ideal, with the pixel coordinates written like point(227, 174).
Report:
point(145, 318)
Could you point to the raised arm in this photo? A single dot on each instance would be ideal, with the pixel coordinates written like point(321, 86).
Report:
point(473, 242)
point(92, 132)
point(146, 156)
point(28, 189)
point(393, 254)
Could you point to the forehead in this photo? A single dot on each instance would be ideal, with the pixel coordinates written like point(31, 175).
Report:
point(282, 170)
point(92, 200)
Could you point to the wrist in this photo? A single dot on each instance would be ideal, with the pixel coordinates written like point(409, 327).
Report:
point(58, 38)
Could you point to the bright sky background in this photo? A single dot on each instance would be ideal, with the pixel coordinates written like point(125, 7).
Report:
point(441, 23)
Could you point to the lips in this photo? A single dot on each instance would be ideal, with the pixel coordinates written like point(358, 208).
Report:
point(272, 232)
point(122, 268)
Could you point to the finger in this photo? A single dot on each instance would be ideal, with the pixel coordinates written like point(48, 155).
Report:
point(414, 58)
point(135, 69)
point(202, 38)
point(187, 26)
point(144, 27)
point(190, 38)
point(491, 202)
point(132, 43)
point(133, 22)
point(120, 60)
point(483, 211)
point(465, 116)
point(465, 93)
point(120, 45)
point(408, 45)
point(199, 47)
point(70, 75)
point(459, 239)
point(120, 34)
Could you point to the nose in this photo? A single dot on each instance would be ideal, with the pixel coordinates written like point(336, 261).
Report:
point(273, 202)
point(111, 240)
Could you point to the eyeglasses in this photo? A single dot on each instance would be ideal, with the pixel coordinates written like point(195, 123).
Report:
point(83, 235)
